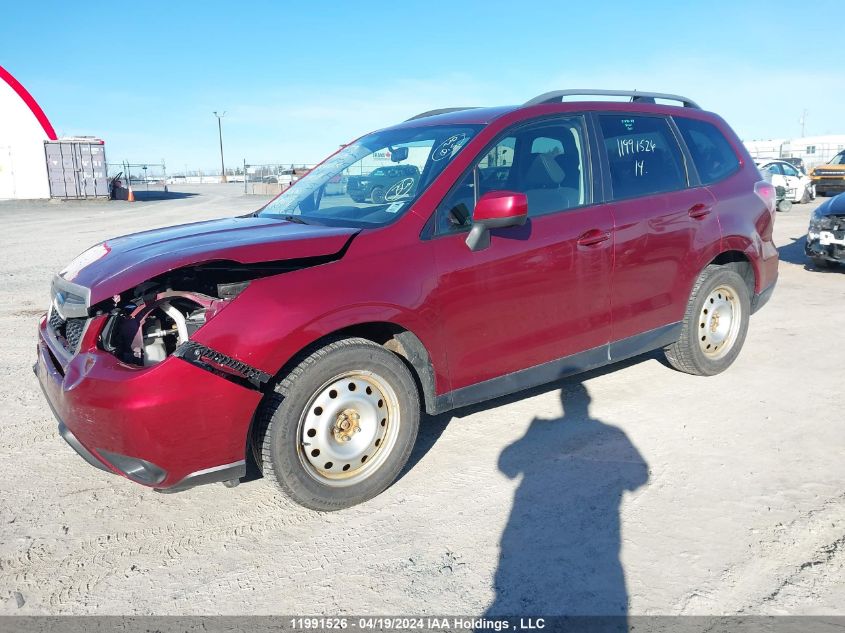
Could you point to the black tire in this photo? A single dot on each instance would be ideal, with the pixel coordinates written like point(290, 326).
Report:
point(283, 415)
point(686, 353)
point(377, 195)
point(821, 262)
point(784, 206)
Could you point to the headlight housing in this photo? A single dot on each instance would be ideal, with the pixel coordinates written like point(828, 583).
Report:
point(149, 323)
point(818, 222)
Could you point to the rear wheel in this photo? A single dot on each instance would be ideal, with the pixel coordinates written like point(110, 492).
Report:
point(784, 206)
point(821, 262)
point(341, 425)
point(715, 324)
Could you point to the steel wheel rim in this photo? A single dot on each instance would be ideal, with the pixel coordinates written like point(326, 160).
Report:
point(348, 429)
point(718, 322)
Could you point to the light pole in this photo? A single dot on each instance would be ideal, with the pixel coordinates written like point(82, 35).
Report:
point(220, 135)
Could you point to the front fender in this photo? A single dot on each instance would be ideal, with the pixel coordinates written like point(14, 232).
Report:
point(277, 317)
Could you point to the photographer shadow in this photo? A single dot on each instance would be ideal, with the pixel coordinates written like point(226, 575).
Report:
point(559, 553)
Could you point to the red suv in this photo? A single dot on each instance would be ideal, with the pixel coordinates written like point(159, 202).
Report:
point(537, 241)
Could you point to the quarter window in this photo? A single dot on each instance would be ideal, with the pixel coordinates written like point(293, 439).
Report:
point(643, 154)
point(713, 156)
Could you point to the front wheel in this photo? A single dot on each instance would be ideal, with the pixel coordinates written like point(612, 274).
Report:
point(715, 324)
point(377, 195)
point(341, 425)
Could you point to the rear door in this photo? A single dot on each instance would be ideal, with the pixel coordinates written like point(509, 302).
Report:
point(663, 220)
point(539, 292)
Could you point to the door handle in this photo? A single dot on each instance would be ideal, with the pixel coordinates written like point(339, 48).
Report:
point(593, 237)
point(699, 210)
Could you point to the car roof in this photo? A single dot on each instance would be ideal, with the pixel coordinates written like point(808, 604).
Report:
point(554, 102)
point(764, 161)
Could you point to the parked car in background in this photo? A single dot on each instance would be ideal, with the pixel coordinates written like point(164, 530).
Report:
point(336, 186)
point(796, 162)
point(825, 243)
point(382, 183)
point(829, 179)
point(535, 242)
point(797, 185)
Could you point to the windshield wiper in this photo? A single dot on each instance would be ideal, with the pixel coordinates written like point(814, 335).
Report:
point(294, 218)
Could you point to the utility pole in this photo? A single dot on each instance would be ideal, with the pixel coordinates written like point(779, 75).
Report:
point(803, 121)
point(220, 136)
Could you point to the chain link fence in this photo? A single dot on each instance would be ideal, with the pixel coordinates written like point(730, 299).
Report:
point(271, 178)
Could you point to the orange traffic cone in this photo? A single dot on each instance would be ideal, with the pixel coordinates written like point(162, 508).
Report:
point(130, 197)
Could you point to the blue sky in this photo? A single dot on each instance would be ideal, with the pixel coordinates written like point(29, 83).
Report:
point(297, 79)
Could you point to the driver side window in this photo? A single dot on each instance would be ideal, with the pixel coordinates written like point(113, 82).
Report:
point(544, 161)
point(491, 173)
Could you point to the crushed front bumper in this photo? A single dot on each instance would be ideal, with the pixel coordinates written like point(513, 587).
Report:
point(827, 245)
point(170, 426)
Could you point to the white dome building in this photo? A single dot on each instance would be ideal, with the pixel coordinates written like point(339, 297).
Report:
point(23, 130)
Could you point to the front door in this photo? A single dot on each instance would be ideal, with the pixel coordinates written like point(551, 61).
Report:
point(539, 292)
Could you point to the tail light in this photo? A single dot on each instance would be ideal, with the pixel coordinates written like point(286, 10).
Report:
point(766, 192)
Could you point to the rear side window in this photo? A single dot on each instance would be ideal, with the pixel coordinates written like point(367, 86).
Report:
point(713, 156)
point(643, 154)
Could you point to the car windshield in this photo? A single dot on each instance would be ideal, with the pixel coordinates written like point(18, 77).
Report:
point(839, 159)
point(374, 180)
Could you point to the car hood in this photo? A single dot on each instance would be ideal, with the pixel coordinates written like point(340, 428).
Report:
point(833, 206)
point(121, 263)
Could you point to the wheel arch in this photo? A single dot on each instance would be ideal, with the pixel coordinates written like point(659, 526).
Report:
point(394, 337)
point(391, 335)
point(741, 263)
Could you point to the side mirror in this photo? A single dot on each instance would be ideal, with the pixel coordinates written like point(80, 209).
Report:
point(495, 210)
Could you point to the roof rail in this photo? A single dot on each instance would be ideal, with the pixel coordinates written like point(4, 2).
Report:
point(636, 96)
point(429, 113)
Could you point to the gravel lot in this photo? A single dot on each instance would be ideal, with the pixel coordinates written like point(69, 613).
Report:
point(647, 489)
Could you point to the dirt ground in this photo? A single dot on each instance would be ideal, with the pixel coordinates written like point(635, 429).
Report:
point(647, 490)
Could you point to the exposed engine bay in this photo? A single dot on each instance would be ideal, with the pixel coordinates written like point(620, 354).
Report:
point(148, 323)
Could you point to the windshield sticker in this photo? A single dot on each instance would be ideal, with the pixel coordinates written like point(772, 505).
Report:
point(629, 124)
point(449, 147)
point(396, 207)
point(400, 189)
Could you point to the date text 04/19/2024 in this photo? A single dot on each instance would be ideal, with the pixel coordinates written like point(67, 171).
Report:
point(428, 623)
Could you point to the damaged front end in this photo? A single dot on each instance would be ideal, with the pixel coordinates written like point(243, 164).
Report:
point(826, 234)
point(158, 319)
point(120, 360)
